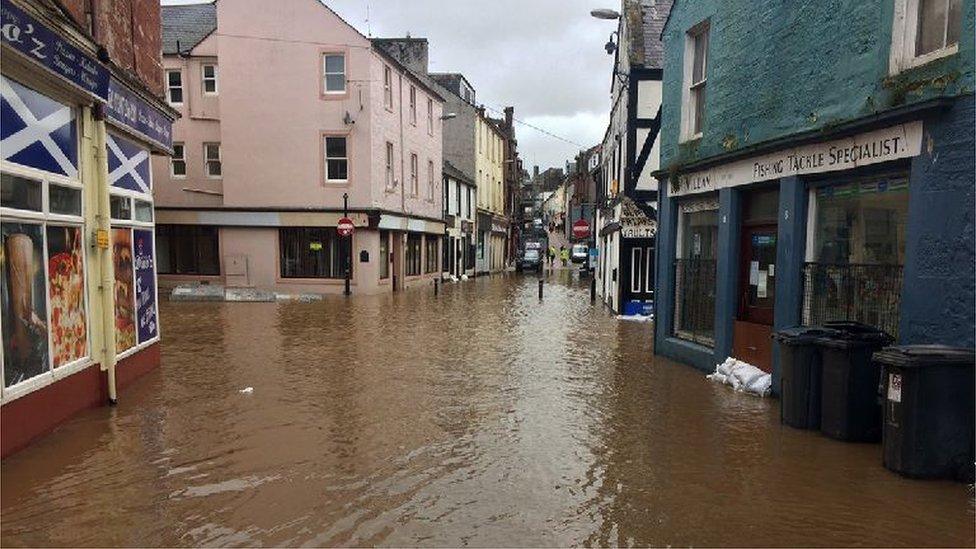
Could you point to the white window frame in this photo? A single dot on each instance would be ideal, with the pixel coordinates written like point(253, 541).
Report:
point(390, 176)
point(413, 105)
point(689, 99)
point(173, 159)
point(325, 155)
point(904, 33)
point(388, 87)
point(414, 176)
point(207, 160)
point(430, 116)
point(326, 74)
point(649, 261)
point(44, 219)
point(170, 88)
point(636, 261)
point(430, 180)
point(204, 79)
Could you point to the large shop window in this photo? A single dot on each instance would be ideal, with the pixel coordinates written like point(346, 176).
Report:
point(310, 252)
point(188, 250)
point(43, 291)
point(430, 257)
point(413, 254)
point(694, 274)
point(856, 251)
point(133, 244)
point(384, 255)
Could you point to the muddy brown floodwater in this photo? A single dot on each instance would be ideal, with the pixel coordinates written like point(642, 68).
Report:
point(478, 418)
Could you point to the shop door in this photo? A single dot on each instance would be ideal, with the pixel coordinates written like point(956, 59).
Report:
point(757, 293)
point(397, 261)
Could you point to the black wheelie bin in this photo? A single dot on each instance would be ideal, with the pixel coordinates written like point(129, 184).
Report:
point(850, 407)
point(800, 375)
point(930, 397)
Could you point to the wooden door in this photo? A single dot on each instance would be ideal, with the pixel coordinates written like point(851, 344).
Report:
point(751, 341)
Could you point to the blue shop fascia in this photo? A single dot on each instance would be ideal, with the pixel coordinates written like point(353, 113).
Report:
point(795, 198)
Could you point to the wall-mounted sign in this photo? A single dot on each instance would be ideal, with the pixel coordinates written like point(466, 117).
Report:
point(36, 42)
point(467, 226)
point(901, 141)
point(638, 231)
point(125, 107)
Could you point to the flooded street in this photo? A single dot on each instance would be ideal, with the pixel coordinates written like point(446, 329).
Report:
point(481, 417)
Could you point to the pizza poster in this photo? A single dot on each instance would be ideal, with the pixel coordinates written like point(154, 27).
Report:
point(145, 267)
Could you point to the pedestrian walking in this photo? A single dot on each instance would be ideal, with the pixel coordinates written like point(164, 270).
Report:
point(552, 255)
point(563, 254)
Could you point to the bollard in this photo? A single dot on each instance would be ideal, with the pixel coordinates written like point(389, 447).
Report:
point(540, 289)
point(435, 287)
point(593, 290)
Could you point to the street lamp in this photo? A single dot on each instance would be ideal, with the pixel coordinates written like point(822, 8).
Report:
point(604, 13)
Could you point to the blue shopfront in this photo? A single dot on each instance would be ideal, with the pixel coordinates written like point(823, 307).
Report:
point(871, 222)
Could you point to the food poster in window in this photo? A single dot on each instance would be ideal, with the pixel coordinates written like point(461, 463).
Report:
point(145, 267)
point(24, 302)
point(125, 303)
point(66, 290)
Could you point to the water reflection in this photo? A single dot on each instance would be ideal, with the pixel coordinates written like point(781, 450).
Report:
point(481, 417)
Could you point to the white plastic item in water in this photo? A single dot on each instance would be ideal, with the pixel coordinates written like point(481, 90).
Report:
point(247, 390)
point(743, 377)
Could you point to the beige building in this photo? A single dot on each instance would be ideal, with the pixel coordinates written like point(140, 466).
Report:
point(493, 223)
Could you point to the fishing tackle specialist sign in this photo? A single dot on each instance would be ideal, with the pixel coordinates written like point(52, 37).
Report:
point(902, 141)
point(27, 36)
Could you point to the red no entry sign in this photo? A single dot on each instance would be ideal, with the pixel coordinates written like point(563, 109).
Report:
point(581, 229)
point(345, 227)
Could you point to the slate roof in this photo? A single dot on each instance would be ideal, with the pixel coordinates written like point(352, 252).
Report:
point(451, 171)
point(187, 24)
point(654, 16)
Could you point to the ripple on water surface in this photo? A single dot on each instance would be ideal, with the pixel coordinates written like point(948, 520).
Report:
point(482, 417)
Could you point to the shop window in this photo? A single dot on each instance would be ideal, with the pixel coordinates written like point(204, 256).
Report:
point(310, 252)
point(412, 263)
point(188, 250)
point(120, 208)
point(334, 73)
point(635, 270)
point(694, 316)
point(38, 132)
point(430, 257)
point(384, 255)
point(144, 211)
point(856, 253)
point(42, 276)
point(336, 159)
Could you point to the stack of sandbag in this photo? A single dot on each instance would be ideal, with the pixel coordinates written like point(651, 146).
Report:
point(742, 377)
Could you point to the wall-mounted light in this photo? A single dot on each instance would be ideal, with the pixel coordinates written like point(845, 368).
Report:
point(604, 13)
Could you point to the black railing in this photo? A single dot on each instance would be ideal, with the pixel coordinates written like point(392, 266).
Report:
point(865, 293)
point(694, 298)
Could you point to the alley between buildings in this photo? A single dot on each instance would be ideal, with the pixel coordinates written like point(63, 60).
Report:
point(479, 417)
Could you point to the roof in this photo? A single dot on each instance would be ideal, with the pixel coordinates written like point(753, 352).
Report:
point(187, 25)
point(451, 171)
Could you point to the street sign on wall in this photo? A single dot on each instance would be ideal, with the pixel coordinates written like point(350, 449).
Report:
point(345, 227)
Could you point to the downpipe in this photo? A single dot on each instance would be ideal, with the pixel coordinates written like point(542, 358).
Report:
point(106, 287)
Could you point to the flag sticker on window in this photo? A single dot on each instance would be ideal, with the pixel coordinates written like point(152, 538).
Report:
point(894, 387)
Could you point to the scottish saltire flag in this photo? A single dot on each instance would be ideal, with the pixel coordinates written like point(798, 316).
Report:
point(128, 165)
point(37, 131)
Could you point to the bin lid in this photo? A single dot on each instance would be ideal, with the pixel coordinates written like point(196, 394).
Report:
point(802, 335)
point(848, 333)
point(926, 355)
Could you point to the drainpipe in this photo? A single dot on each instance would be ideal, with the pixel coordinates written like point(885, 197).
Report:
point(106, 286)
point(403, 173)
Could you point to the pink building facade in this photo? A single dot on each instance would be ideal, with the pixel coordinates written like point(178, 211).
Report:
point(285, 109)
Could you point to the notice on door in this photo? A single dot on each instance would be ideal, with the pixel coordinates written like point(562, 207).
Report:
point(754, 273)
point(761, 288)
point(894, 387)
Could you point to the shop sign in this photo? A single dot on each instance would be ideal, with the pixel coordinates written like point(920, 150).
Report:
point(896, 142)
point(145, 267)
point(647, 230)
point(497, 227)
point(35, 41)
point(134, 113)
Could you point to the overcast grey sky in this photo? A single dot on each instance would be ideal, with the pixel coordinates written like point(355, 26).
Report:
point(545, 57)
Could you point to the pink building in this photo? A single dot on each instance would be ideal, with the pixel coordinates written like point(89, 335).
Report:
point(286, 108)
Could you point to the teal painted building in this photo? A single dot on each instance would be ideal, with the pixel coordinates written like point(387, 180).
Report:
point(817, 163)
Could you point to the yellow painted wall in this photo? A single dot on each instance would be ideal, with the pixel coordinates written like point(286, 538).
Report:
point(489, 166)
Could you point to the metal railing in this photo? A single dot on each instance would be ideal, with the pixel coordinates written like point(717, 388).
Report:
point(865, 293)
point(694, 299)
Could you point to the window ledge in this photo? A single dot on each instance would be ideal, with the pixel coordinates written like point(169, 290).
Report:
point(921, 60)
